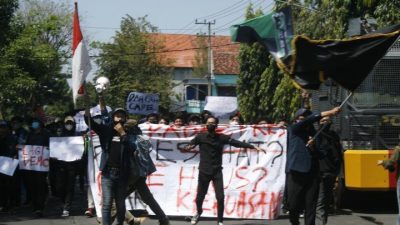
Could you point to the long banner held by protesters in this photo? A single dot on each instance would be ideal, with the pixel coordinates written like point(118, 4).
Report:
point(253, 181)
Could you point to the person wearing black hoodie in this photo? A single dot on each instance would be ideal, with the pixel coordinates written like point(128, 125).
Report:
point(329, 165)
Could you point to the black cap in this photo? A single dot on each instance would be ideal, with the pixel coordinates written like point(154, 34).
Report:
point(302, 112)
point(122, 110)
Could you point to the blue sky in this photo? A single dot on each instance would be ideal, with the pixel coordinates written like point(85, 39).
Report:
point(101, 18)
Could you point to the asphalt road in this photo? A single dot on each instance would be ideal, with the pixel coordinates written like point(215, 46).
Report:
point(365, 208)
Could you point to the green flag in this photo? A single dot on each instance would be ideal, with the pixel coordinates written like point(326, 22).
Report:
point(274, 31)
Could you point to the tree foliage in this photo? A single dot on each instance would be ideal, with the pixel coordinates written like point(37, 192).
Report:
point(276, 96)
point(131, 63)
point(31, 62)
point(7, 9)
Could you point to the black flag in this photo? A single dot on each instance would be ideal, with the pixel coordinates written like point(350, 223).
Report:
point(348, 62)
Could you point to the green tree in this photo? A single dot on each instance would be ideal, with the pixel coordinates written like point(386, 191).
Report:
point(131, 63)
point(7, 9)
point(31, 63)
point(253, 61)
point(387, 12)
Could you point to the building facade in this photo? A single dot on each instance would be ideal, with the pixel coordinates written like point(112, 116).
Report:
point(187, 59)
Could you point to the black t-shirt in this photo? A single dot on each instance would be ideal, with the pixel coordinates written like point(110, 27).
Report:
point(329, 143)
point(114, 159)
point(211, 150)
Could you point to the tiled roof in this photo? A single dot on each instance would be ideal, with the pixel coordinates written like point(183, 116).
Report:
point(180, 51)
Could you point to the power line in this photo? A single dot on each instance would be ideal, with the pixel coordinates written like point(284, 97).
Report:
point(258, 2)
point(232, 11)
point(216, 13)
point(239, 17)
point(225, 14)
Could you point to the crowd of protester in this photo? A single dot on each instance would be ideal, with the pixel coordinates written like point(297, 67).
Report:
point(32, 188)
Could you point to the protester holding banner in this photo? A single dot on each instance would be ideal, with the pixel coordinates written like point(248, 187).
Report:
point(179, 122)
point(152, 118)
point(302, 166)
point(236, 119)
point(163, 120)
point(37, 180)
point(67, 171)
point(56, 130)
point(8, 143)
point(194, 119)
point(210, 167)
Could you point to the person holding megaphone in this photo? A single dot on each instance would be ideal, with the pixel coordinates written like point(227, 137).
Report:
point(119, 141)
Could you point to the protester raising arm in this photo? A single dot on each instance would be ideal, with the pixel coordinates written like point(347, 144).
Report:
point(226, 140)
point(303, 120)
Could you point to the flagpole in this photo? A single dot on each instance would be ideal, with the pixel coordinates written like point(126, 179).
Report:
point(324, 126)
point(87, 108)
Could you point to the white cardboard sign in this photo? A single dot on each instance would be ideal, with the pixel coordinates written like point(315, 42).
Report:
point(66, 148)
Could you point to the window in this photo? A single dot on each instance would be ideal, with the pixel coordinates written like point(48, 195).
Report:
point(196, 92)
point(226, 91)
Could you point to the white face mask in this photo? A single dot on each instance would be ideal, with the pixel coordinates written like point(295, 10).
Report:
point(69, 127)
point(233, 123)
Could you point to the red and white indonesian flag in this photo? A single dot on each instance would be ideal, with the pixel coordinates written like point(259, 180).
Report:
point(80, 59)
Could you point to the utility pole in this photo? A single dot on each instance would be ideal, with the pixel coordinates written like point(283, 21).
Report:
point(209, 23)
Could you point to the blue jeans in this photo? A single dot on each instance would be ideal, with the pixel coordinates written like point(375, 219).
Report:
point(112, 188)
point(398, 199)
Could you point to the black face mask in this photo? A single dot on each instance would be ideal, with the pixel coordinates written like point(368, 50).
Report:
point(211, 128)
point(326, 127)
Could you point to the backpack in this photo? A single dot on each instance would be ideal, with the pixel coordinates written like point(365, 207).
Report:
point(141, 164)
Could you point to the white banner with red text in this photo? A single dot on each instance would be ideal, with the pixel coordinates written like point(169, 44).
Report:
point(253, 181)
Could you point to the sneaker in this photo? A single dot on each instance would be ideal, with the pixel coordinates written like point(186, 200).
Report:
point(65, 213)
point(220, 223)
point(301, 215)
point(89, 212)
point(285, 212)
point(195, 219)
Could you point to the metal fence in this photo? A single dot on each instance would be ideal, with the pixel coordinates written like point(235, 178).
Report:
point(371, 119)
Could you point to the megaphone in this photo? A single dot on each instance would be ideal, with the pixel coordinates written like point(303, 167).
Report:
point(102, 83)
